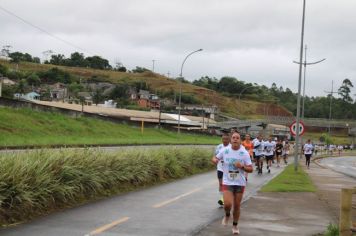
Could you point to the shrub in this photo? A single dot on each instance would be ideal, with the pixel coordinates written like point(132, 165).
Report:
point(38, 182)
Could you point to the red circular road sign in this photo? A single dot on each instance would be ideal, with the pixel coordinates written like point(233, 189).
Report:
point(293, 128)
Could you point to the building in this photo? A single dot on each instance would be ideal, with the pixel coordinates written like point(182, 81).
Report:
point(58, 91)
point(28, 96)
point(148, 100)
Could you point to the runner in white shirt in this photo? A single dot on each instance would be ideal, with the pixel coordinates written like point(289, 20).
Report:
point(269, 153)
point(219, 167)
point(308, 151)
point(259, 145)
point(254, 151)
point(237, 161)
point(340, 148)
point(274, 141)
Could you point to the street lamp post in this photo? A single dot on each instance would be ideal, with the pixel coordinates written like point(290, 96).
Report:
point(305, 64)
point(180, 86)
point(296, 149)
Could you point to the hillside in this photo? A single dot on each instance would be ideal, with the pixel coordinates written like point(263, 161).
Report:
point(243, 109)
point(25, 127)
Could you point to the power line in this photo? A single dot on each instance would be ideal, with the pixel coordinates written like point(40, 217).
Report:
point(44, 31)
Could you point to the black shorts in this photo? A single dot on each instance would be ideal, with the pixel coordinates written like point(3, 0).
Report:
point(234, 188)
point(220, 174)
point(278, 154)
point(258, 157)
point(269, 158)
point(308, 155)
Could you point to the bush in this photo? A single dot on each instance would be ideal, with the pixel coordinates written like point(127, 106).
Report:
point(332, 230)
point(38, 182)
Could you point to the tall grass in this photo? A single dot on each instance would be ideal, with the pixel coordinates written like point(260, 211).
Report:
point(38, 182)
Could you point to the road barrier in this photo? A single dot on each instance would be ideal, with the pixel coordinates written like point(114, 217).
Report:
point(345, 226)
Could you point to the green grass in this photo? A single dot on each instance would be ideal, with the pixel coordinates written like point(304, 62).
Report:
point(290, 181)
point(332, 230)
point(25, 127)
point(39, 182)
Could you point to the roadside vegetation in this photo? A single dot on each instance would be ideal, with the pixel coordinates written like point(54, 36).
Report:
point(290, 181)
point(25, 127)
point(36, 183)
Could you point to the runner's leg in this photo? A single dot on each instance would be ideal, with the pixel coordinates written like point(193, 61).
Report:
point(236, 213)
point(228, 201)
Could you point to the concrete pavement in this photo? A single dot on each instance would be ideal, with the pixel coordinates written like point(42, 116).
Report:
point(291, 213)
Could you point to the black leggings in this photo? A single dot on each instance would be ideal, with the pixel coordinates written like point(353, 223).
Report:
point(307, 159)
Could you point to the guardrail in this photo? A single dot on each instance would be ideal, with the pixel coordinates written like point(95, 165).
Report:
point(345, 226)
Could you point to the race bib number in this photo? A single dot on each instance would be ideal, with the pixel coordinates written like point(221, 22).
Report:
point(233, 176)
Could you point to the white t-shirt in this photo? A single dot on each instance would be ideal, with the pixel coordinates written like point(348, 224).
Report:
point(233, 175)
point(253, 142)
point(308, 148)
point(269, 148)
point(218, 148)
point(259, 147)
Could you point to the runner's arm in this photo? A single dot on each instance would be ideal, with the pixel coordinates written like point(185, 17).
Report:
point(215, 160)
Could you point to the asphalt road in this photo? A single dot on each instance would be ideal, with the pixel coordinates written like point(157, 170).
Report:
point(181, 207)
point(344, 165)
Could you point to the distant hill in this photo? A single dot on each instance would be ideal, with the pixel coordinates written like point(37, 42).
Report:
point(244, 109)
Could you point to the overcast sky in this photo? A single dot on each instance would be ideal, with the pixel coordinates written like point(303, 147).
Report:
point(253, 40)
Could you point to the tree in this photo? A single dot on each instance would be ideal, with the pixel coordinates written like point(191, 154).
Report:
point(97, 62)
point(16, 57)
point(21, 87)
point(77, 59)
point(55, 75)
point(36, 60)
point(120, 91)
point(58, 59)
point(140, 69)
point(5, 51)
point(345, 90)
point(3, 70)
point(33, 79)
point(97, 97)
point(120, 67)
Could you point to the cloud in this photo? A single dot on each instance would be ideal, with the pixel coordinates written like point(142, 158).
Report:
point(255, 41)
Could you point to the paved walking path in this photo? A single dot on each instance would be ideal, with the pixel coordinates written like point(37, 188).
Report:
point(291, 213)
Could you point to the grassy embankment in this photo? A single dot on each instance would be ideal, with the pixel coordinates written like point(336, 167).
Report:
point(244, 109)
point(290, 181)
point(39, 182)
point(24, 127)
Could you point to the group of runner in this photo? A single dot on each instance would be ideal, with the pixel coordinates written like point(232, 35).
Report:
point(271, 150)
point(234, 158)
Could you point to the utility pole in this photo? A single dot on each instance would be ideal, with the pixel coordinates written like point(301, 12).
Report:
point(153, 65)
point(331, 99)
point(305, 64)
point(296, 149)
point(0, 85)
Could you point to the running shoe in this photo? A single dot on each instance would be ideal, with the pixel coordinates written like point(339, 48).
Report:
point(221, 202)
point(235, 229)
point(225, 220)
